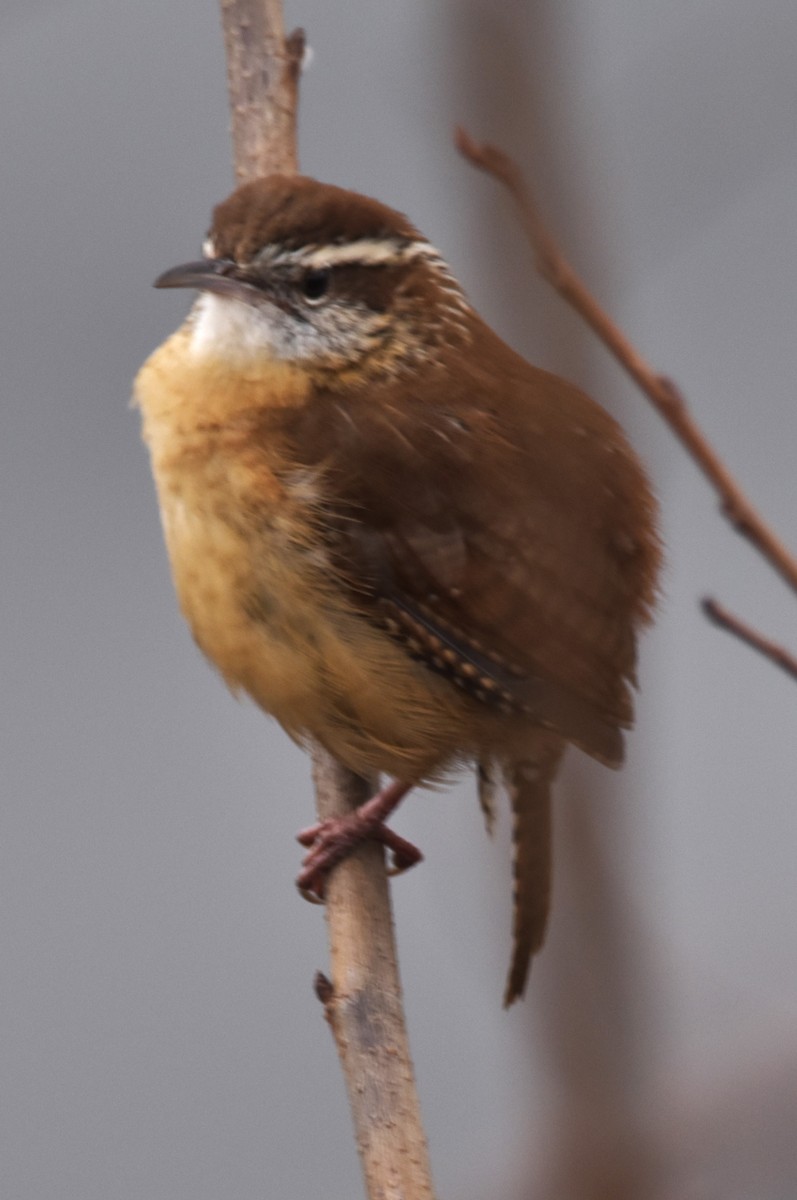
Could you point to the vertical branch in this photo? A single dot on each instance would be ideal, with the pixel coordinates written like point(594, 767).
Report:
point(363, 1001)
point(364, 1006)
point(263, 70)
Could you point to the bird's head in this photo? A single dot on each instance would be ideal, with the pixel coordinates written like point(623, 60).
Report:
point(322, 278)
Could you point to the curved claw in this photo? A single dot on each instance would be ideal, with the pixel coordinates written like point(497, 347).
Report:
point(306, 836)
point(331, 841)
point(403, 854)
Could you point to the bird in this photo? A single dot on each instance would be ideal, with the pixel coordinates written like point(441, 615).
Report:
point(387, 528)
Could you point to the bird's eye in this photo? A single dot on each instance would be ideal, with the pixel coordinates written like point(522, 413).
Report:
point(315, 286)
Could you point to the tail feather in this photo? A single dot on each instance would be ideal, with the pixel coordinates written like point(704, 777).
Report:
point(528, 783)
point(489, 781)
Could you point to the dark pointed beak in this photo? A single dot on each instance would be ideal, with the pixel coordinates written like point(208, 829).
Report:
point(219, 275)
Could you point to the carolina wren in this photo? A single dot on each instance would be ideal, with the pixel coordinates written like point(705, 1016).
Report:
point(392, 532)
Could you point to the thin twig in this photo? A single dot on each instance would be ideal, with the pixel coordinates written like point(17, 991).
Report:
point(776, 653)
point(661, 391)
point(363, 1001)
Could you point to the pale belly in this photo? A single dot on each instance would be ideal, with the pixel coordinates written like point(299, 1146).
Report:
point(262, 606)
point(263, 612)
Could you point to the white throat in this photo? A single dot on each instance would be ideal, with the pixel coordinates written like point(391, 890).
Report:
point(222, 326)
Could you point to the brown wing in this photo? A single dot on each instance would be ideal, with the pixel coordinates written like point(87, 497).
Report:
point(503, 518)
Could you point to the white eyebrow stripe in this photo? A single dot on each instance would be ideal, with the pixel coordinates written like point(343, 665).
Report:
point(365, 252)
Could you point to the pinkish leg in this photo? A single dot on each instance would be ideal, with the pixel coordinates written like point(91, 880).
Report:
point(332, 840)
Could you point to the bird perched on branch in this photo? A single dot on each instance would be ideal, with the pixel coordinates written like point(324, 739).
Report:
point(385, 526)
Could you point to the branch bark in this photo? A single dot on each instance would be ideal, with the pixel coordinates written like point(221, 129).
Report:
point(363, 1002)
point(263, 69)
point(363, 1005)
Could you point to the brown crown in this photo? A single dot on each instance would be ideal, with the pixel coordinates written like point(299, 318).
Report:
point(294, 211)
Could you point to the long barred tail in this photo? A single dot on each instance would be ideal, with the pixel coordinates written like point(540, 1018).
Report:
point(528, 784)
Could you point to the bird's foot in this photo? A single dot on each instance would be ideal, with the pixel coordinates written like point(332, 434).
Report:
point(332, 840)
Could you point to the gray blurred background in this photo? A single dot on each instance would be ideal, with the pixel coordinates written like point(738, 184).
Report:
point(160, 1038)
